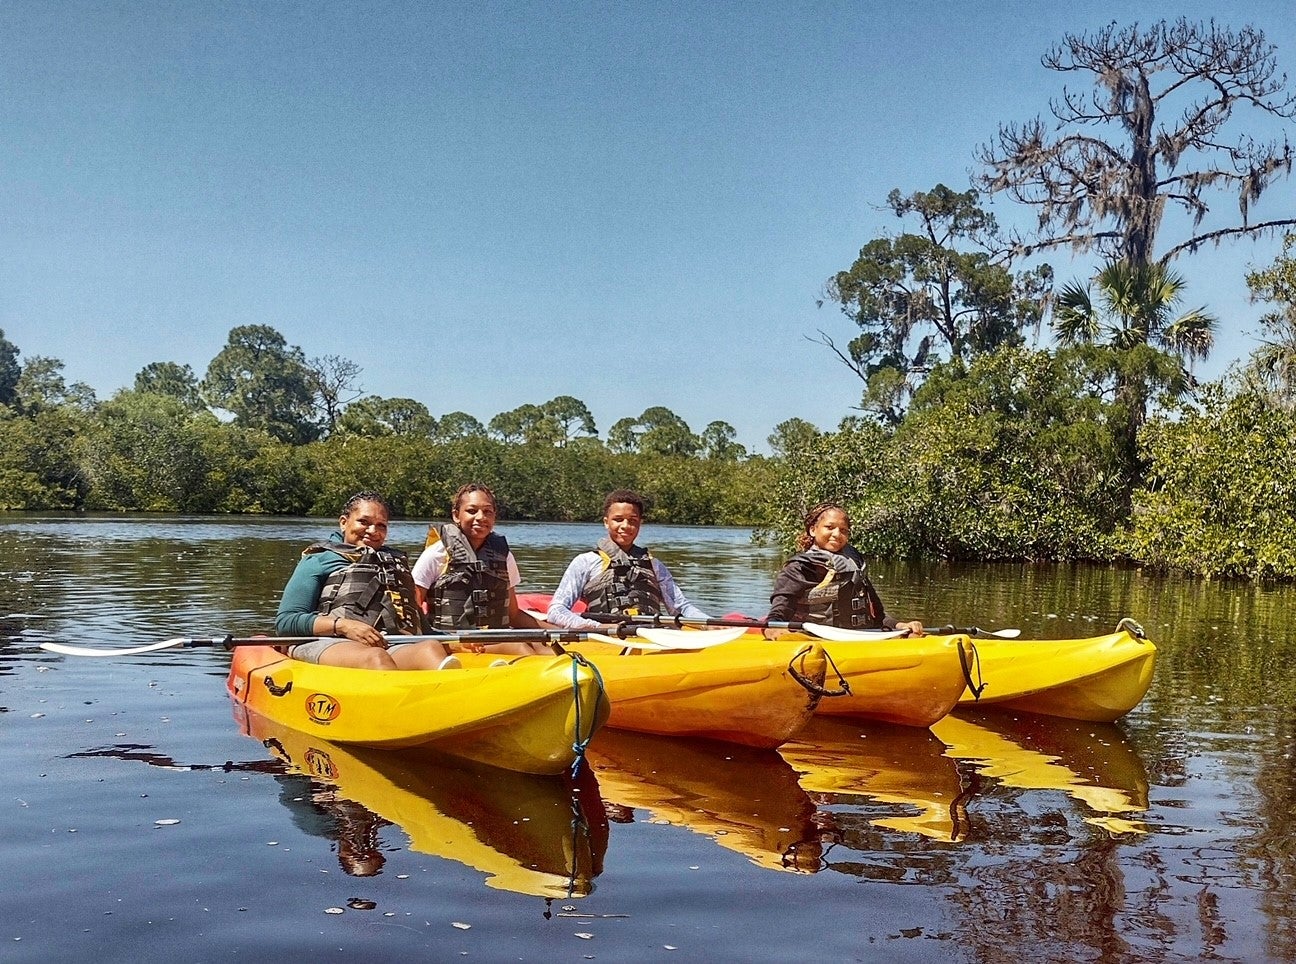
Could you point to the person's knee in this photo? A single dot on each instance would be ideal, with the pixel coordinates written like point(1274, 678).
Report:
point(374, 658)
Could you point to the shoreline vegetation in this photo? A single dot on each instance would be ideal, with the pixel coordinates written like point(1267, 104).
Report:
point(1007, 459)
point(973, 439)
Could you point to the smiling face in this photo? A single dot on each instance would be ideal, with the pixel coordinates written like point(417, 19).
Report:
point(831, 530)
point(365, 525)
point(623, 521)
point(475, 517)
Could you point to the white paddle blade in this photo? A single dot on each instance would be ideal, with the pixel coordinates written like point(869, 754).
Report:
point(839, 635)
point(121, 651)
point(615, 641)
point(687, 638)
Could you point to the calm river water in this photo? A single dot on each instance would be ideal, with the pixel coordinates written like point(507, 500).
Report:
point(142, 823)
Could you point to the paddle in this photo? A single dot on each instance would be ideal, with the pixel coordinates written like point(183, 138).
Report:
point(665, 639)
point(684, 639)
point(833, 633)
point(975, 632)
point(551, 636)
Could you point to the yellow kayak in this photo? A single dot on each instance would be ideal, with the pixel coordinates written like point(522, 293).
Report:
point(746, 800)
point(913, 682)
point(528, 834)
point(531, 716)
point(740, 692)
point(1098, 679)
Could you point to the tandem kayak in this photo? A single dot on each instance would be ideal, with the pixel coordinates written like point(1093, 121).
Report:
point(755, 693)
point(1098, 679)
point(535, 715)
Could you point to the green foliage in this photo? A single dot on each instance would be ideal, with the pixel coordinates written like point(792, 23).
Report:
point(1146, 345)
point(1010, 459)
point(41, 386)
point(141, 453)
point(940, 292)
point(10, 370)
point(839, 466)
point(789, 436)
point(174, 380)
point(720, 441)
point(39, 468)
point(374, 416)
point(454, 425)
point(265, 383)
point(1272, 366)
point(571, 415)
point(1221, 498)
point(665, 433)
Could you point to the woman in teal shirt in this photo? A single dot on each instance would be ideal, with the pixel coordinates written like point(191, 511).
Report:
point(357, 596)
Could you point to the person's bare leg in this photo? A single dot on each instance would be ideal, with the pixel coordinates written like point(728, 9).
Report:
point(424, 655)
point(348, 652)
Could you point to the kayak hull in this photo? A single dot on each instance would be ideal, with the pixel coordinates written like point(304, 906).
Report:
point(912, 682)
point(1097, 680)
point(527, 717)
point(739, 692)
point(908, 681)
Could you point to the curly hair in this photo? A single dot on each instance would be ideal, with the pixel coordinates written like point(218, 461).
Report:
point(628, 496)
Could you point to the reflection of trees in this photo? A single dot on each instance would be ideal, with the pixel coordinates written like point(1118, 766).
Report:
point(1032, 885)
point(1273, 848)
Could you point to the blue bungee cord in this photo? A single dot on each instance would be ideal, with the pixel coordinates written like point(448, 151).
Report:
point(579, 746)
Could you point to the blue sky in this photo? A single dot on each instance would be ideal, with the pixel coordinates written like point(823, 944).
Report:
point(491, 204)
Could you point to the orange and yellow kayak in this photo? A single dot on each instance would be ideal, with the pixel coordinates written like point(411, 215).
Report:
point(755, 693)
point(530, 716)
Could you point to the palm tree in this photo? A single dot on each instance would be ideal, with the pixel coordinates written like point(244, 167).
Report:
point(1133, 317)
point(1136, 303)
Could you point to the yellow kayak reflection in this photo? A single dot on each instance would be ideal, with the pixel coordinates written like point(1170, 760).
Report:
point(528, 834)
point(746, 800)
point(888, 764)
point(1092, 763)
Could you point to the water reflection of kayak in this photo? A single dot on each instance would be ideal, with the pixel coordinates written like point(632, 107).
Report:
point(886, 764)
point(1090, 762)
point(746, 800)
point(528, 834)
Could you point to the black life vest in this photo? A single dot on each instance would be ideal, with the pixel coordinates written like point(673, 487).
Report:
point(626, 584)
point(375, 587)
point(845, 597)
point(473, 589)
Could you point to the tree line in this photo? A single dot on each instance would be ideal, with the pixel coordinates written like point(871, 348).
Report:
point(266, 430)
point(1001, 416)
